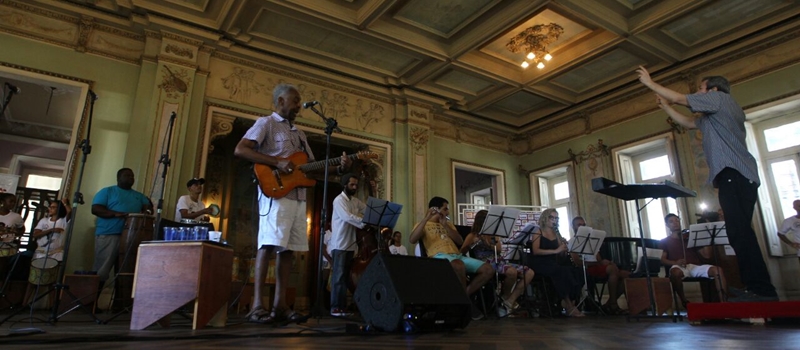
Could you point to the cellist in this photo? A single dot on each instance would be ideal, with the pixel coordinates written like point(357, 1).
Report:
point(347, 217)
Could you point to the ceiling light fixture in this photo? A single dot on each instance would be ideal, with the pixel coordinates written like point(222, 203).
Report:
point(534, 41)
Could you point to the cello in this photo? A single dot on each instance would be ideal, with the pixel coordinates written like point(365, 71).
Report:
point(368, 244)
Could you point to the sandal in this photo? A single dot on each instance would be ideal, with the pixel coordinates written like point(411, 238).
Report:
point(287, 317)
point(509, 306)
point(574, 312)
point(259, 316)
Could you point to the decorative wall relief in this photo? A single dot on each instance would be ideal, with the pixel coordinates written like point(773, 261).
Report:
point(85, 29)
point(221, 125)
point(174, 83)
point(419, 139)
point(241, 85)
point(179, 51)
point(594, 162)
point(252, 84)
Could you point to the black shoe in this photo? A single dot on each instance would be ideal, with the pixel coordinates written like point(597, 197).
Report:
point(747, 296)
point(476, 313)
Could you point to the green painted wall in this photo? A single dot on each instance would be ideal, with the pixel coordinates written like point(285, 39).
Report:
point(115, 83)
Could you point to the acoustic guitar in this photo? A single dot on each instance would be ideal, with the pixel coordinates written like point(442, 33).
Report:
point(276, 185)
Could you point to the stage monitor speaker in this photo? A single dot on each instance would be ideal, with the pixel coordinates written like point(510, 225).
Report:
point(413, 294)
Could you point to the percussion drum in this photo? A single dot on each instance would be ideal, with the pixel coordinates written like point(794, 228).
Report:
point(43, 271)
point(138, 228)
point(214, 210)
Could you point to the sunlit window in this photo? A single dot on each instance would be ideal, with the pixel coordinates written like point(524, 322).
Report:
point(561, 190)
point(781, 137)
point(655, 167)
point(43, 182)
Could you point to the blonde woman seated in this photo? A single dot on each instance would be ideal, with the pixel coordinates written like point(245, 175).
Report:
point(547, 245)
point(483, 247)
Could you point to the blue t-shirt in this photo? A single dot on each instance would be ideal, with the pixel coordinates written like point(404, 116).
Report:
point(117, 199)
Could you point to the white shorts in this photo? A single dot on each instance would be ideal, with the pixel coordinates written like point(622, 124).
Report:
point(282, 224)
point(693, 271)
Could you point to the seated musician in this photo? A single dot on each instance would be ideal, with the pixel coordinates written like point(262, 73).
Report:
point(347, 216)
point(49, 238)
point(602, 268)
point(489, 249)
point(686, 262)
point(112, 205)
point(190, 206)
point(791, 227)
point(11, 229)
point(441, 241)
point(548, 246)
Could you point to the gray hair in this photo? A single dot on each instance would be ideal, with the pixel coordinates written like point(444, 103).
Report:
point(279, 90)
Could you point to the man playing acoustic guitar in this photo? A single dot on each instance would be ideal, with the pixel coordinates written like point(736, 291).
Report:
point(282, 220)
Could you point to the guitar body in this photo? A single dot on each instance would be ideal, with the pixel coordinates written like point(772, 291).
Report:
point(275, 184)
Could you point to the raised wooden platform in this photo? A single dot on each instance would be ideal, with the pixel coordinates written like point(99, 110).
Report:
point(756, 313)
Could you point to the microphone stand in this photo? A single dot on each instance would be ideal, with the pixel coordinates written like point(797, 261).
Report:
point(330, 125)
point(166, 161)
point(86, 147)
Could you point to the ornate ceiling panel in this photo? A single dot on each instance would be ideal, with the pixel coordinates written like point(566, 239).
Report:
point(452, 52)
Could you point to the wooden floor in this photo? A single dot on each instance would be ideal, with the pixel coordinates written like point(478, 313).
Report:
point(77, 331)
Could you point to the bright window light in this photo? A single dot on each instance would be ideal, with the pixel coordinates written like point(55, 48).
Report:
point(784, 136)
point(561, 190)
point(655, 167)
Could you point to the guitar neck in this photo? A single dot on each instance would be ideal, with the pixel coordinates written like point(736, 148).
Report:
point(321, 164)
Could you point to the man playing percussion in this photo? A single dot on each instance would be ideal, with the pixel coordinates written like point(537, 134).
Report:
point(112, 205)
point(190, 206)
point(282, 221)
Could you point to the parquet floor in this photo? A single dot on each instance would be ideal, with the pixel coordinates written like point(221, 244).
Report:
point(77, 331)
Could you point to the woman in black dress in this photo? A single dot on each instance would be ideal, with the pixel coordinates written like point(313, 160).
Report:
point(548, 247)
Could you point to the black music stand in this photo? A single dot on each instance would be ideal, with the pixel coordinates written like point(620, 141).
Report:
point(499, 223)
point(587, 242)
point(708, 234)
point(636, 192)
point(381, 213)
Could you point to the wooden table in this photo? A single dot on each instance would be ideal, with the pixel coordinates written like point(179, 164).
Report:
point(172, 274)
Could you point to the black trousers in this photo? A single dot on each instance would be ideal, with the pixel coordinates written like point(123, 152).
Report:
point(737, 197)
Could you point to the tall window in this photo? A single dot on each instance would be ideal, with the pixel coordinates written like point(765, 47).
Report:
point(778, 142)
point(555, 191)
point(41, 182)
point(651, 161)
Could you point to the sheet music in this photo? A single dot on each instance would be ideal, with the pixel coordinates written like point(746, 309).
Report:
point(499, 221)
point(700, 235)
point(579, 243)
point(652, 254)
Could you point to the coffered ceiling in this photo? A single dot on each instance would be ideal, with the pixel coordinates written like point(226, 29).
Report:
point(454, 50)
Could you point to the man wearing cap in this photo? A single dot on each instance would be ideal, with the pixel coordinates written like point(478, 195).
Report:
point(190, 206)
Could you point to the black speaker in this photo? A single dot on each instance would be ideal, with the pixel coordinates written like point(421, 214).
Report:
point(412, 294)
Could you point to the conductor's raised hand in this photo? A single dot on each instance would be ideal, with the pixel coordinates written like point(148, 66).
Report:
point(644, 75)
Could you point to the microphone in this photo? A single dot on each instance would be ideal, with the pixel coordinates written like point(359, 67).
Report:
point(305, 105)
point(14, 89)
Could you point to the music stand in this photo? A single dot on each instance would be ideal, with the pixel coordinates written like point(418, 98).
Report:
point(381, 213)
point(586, 242)
point(708, 234)
point(499, 223)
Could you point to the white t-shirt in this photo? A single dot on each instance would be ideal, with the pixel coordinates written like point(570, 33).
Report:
point(791, 227)
point(185, 202)
point(401, 250)
point(12, 219)
point(55, 246)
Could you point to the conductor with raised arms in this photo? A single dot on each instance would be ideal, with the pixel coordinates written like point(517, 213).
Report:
point(732, 169)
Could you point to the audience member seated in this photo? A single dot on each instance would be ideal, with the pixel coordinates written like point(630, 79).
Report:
point(547, 245)
point(791, 227)
point(49, 237)
point(396, 247)
point(489, 249)
point(686, 262)
point(441, 241)
point(602, 269)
